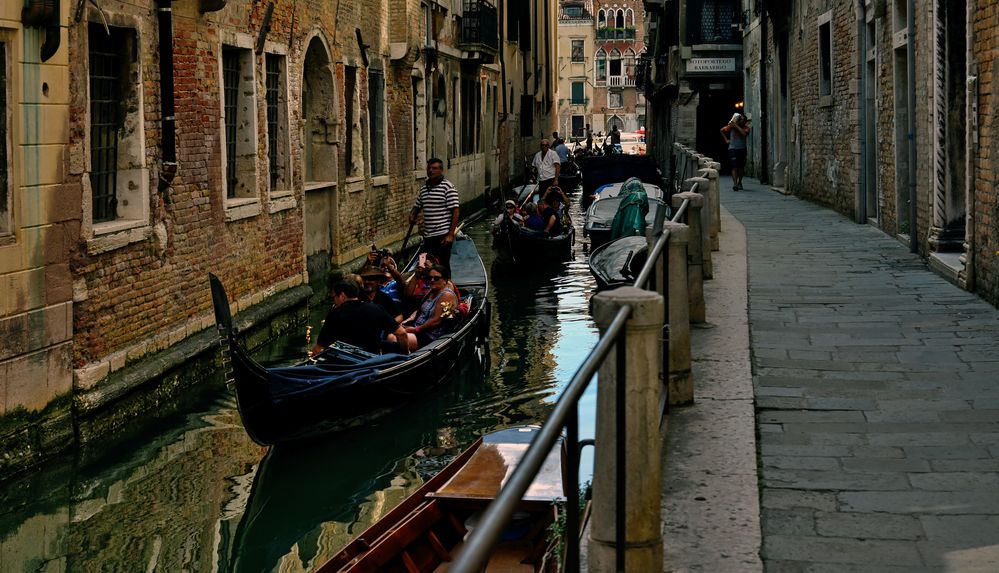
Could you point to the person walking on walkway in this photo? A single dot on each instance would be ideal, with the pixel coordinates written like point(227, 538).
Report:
point(734, 133)
point(547, 165)
point(438, 199)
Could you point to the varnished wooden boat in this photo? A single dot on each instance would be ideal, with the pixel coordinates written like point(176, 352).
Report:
point(526, 246)
point(344, 386)
point(427, 530)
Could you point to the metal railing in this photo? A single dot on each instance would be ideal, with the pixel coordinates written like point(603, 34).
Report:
point(477, 549)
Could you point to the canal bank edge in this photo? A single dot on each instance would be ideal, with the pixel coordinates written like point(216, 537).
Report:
point(109, 404)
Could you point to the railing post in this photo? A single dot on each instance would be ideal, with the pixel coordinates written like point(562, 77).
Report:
point(695, 254)
point(702, 187)
point(713, 193)
point(643, 536)
point(680, 379)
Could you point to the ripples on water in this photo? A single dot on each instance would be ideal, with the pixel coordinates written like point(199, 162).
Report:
point(196, 494)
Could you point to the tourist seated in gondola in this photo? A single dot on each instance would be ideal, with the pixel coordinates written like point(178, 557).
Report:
point(372, 292)
point(533, 221)
point(510, 214)
point(438, 310)
point(561, 204)
point(358, 323)
point(550, 217)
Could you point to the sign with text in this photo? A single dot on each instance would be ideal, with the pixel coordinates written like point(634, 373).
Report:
point(711, 65)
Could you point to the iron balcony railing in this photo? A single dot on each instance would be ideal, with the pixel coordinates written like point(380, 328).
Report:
point(479, 26)
point(566, 415)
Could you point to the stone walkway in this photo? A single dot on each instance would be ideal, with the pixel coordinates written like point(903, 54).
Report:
point(877, 397)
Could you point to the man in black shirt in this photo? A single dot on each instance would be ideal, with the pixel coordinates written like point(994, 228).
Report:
point(358, 323)
point(372, 292)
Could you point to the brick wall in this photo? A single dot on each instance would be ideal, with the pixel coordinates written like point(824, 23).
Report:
point(986, 167)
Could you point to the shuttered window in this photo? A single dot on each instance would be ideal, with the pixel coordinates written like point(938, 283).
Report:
point(105, 119)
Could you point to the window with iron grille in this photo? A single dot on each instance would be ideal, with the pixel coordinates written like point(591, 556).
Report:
point(106, 98)
point(349, 85)
point(230, 88)
point(273, 81)
point(713, 21)
point(376, 119)
point(5, 194)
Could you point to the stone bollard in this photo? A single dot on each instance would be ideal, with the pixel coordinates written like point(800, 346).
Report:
point(713, 208)
point(680, 382)
point(707, 269)
point(643, 473)
point(692, 161)
point(695, 253)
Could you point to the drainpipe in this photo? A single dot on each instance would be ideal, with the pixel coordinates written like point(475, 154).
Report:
point(862, 187)
point(168, 144)
point(764, 118)
point(910, 53)
point(502, 53)
point(44, 13)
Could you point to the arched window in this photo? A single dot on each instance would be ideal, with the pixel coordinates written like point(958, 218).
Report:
point(614, 68)
point(620, 19)
point(629, 67)
point(600, 67)
point(319, 110)
point(601, 19)
point(629, 18)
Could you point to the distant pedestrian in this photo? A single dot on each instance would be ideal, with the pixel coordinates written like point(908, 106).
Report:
point(438, 199)
point(547, 166)
point(589, 139)
point(735, 133)
point(615, 138)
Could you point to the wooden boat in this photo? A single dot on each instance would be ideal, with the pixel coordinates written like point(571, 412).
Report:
point(600, 216)
point(345, 386)
point(618, 262)
point(426, 531)
point(601, 170)
point(614, 189)
point(528, 246)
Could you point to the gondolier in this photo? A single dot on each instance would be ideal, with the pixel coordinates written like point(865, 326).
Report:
point(438, 199)
point(547, 166)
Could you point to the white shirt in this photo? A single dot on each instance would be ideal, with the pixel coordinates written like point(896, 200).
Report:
point(546, 165)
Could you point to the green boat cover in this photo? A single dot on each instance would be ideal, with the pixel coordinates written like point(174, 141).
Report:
point(629, 220)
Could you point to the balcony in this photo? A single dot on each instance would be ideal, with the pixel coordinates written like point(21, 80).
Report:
point(608, 34)
point(479, 32)
point(621, 81)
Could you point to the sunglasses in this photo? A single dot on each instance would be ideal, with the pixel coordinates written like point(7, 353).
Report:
point(434, 278)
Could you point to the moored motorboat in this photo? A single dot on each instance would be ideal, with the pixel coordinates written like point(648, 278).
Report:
point(600, 217)
point(344, 386)
point(427, 530)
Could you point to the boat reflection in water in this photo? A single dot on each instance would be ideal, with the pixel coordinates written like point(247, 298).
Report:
point(310, 498)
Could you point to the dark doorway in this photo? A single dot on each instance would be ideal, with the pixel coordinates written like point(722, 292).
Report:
point(713, 112)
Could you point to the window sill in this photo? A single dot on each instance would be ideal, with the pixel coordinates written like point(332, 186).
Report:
point(825, 101)
point(354, 184)
point(117, 234)
point(7, 240)
point(282, 201)
point(236, 209)
point(380, 181)
point(311, 186)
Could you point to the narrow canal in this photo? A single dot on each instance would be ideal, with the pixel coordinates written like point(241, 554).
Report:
point(198, 495)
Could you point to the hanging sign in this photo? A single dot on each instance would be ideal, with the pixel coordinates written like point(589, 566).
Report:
point(711, 65)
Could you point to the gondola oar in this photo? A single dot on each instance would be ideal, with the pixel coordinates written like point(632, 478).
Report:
point(405, 239)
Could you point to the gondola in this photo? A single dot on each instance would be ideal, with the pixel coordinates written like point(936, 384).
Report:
point(527, 246)
point(600, 170)
point(428, 529)
point(618, 262)
point(345, 386)
point(600, 216)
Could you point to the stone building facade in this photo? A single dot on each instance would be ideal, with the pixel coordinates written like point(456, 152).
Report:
point(600, 46)
point(268, 143)
point(882, 110)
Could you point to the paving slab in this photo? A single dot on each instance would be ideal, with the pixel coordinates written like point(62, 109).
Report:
point(876, 386)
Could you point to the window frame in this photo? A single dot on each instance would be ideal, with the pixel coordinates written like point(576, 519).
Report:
point(239, 156)
point(378, 149)
point(826, 56)
point(131, 219)
point(581, 86)
point(6, 147)
point(577, 56)
point(279, 166)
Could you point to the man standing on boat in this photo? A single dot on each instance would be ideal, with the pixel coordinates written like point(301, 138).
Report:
point(438, 199)
point(547, 166)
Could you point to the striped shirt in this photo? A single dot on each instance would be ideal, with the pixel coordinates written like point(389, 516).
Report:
point(437, 202)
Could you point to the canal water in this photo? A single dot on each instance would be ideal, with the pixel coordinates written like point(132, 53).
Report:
point(196, 494)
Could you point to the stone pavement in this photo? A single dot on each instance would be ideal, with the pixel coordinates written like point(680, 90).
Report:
point(877, 397)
